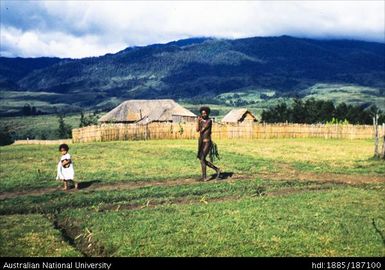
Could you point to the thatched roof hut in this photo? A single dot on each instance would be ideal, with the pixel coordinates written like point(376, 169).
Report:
point(239, 116)
point(146, 111)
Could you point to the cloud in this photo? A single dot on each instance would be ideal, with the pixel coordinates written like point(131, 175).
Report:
point(84, 28)
point(36, 43)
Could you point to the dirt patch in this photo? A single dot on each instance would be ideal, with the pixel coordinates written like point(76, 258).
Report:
point(34, 192)
point(127, 185)
point(287, 174)
point(350, 179)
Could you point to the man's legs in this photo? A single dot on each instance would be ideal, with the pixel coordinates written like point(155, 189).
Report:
point(212, 166)
point(203, 166)
point(204, 162)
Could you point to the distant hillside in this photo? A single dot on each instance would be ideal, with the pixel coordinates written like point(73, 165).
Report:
point(185, 69)
point(13, 69)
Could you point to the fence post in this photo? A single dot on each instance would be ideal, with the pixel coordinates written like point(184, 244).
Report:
point(375, 123)
point(383, 141)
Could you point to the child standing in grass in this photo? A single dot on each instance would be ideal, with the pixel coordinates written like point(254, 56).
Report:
point(65, 168)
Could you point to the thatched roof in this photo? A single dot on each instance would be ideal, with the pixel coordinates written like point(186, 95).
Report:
point(238, 115)
point(138, 111)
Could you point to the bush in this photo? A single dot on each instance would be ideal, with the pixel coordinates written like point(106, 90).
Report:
point(64, 130)
point(89, 120)
point(5, 137)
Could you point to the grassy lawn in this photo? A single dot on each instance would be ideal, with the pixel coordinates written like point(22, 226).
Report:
point(143, 200)
point(334, 223)
point(33, 166)
point(32, 235)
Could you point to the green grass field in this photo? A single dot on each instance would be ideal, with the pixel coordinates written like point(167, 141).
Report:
point(278, 197)
point(32, 235)
point(350, 94)
point(37, 127)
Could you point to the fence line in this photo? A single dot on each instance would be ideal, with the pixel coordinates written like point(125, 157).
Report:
point(45, 142)
point(154, 131)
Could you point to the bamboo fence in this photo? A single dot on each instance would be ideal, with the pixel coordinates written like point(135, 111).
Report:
point(154, 131)
point(67, 141)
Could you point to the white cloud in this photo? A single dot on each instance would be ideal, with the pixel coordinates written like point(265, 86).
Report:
point(77, 29)
point(35, 44)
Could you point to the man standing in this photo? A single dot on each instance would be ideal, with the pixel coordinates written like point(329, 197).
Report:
point(205, 143)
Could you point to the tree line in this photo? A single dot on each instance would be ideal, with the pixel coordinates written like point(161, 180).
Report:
point(28, 110)
point(65, 130)
point(314, 111)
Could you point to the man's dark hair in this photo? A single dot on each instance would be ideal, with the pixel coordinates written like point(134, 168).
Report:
point(64, 146)
point(206, 109)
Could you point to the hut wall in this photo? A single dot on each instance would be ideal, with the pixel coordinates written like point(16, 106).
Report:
point(183, 119)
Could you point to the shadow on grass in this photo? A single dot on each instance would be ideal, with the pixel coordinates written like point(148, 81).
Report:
point(223, 175)
point(86, 184)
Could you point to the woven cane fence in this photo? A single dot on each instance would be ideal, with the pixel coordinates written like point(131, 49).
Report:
point(158, 131)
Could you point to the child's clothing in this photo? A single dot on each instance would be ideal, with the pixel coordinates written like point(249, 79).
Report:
point(67, 172)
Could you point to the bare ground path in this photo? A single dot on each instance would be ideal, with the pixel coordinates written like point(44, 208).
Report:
point(289, 174)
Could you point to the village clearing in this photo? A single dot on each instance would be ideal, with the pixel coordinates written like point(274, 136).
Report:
point(276, 197)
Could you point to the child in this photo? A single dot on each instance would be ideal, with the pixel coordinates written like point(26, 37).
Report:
point(65, 169)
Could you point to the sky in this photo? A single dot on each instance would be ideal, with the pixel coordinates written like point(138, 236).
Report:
point(79, 29)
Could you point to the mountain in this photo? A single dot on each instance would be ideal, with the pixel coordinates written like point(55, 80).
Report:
point(195, 68)
point(13, 69)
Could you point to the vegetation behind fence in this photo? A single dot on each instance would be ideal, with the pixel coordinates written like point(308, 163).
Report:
point(112, 132)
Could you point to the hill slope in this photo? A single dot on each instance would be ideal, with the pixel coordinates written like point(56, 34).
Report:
point(188, 68)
